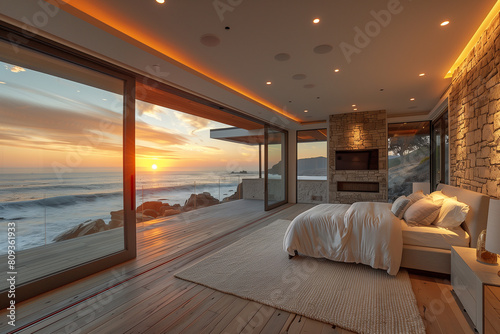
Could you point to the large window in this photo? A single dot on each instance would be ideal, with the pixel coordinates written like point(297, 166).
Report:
point(440, 151)
point(276, 167)
point(409, 155)
point(186, 162)
point(61, 166)
point(312, 166)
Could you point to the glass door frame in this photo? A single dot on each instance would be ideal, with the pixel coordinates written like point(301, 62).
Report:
point(17, 37)
point(267, 128)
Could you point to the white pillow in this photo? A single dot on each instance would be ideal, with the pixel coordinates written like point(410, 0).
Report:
point(452, 213)
point(417, 195)
point(423, 212)
point(400, 206)
point(438, 194)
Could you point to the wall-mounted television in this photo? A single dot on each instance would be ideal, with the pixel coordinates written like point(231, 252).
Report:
point(356, 160)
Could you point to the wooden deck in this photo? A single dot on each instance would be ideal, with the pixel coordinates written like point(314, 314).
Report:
point(142, 295)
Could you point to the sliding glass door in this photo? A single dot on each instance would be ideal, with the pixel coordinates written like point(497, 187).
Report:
point(65, 180)
point(276, 163)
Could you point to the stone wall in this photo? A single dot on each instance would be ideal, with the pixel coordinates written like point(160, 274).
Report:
point(357, 131)
point(474, 117)
point(253, 188)
point(312, 191)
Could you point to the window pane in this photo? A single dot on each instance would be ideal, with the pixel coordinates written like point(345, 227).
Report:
point(276, 167)
point(186, 162)
point(409, 147)
point(61, 157)
point(312, 164)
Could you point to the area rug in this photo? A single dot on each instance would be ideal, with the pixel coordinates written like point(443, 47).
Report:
point(351, 296)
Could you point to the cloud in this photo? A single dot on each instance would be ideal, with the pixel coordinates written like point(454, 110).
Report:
point(148, 109)
point(212, 148)
point(198, 123)
point(93, 130)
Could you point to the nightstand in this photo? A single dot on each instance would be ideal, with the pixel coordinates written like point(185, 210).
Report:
point(470, 279)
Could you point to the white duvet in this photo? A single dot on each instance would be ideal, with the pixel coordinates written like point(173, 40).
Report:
point(364, 232)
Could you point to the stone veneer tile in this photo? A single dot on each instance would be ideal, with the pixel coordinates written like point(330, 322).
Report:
point(474, 117)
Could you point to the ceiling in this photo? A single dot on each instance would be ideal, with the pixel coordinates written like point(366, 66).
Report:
point(379, 47)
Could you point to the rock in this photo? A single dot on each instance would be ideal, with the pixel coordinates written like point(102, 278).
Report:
point(237, 195)
point(200, 201)
point(86, 228)
point(152, 205)
point(117, 215)
point(151, 213)
point(170, 212)
point(115, 223)
point(139, 218)
point(165, 208)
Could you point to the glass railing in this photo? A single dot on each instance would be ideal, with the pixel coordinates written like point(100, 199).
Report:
point(169, 194)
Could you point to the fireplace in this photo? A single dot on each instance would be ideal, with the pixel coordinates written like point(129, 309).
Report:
point(355, 186)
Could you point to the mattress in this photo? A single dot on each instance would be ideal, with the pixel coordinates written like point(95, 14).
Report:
point(434, 236)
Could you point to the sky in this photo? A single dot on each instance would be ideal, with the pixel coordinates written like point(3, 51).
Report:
point(48, 121)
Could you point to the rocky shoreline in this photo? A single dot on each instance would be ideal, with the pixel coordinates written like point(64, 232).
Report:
point(145, 212)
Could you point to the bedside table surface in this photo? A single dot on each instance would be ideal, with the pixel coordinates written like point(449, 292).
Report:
point(487, 273)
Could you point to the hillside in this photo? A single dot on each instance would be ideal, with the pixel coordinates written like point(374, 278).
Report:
point(310, 166)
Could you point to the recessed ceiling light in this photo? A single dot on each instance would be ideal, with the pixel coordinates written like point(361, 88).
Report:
point(306, 110)
point(268, 82)
point(160, 1)
point(445, 23)
point(337, 70)
point(412, 99)
point(355, 109)
point(316, 20)
point(421, 74)
point(353, 105)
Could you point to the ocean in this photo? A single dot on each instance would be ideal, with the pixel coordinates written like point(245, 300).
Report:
point(43, 205)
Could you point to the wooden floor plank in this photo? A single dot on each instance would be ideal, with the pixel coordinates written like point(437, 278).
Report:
point(276, 323)
point(225, 317)
point(208, 316)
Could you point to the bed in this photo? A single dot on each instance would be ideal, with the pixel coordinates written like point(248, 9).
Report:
point(369, 233)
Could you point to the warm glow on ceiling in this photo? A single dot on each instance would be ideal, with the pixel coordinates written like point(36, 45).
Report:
point(494, 11)
point(110, 21)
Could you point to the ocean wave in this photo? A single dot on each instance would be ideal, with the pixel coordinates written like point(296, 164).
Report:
point(51, 187)
point(59, 200)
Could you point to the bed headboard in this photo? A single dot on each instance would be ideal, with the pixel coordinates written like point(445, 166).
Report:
point(478, 204)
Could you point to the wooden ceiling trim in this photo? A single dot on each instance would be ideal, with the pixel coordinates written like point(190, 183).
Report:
point(165, 97)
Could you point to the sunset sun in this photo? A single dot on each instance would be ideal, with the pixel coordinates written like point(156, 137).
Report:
point(154, 166)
